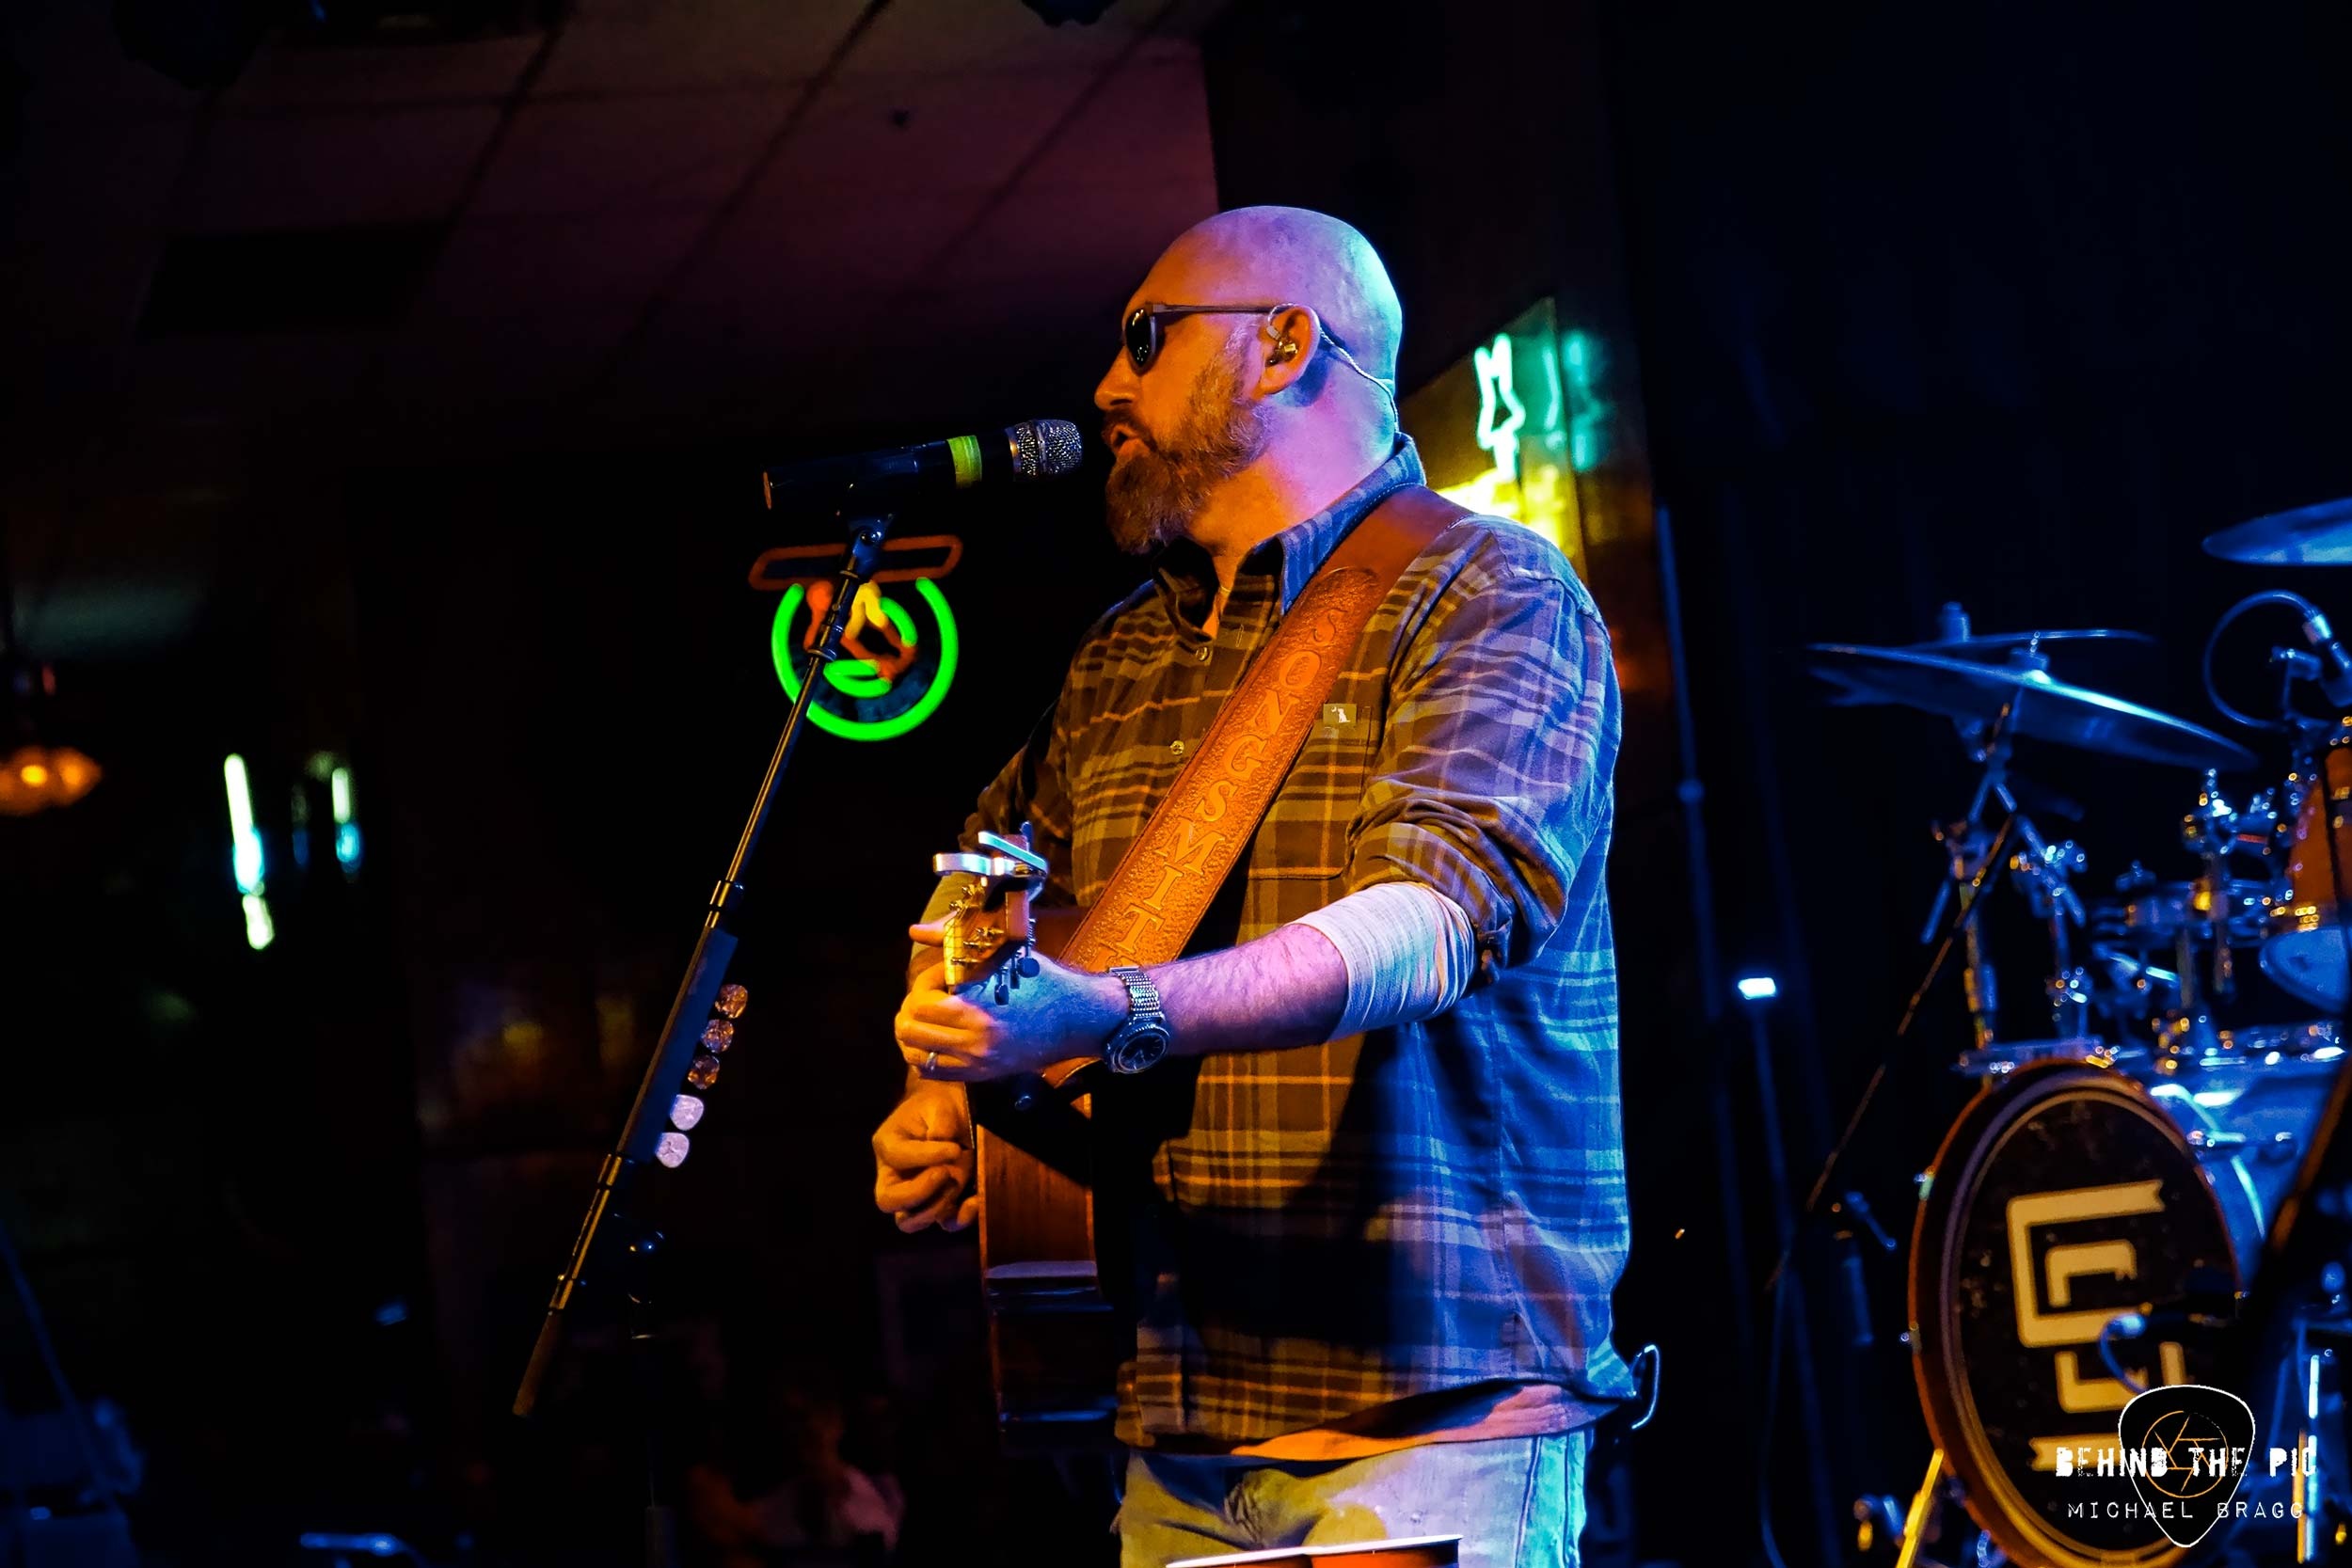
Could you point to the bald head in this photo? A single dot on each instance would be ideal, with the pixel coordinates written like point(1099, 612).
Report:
point(1258, 386)
point(1294, 256)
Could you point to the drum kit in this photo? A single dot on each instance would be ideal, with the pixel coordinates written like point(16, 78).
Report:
point(2117, 1208)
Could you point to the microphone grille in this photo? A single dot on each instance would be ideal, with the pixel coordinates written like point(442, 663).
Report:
point(1045, 448)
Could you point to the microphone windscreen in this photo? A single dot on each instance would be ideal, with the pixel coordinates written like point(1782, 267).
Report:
point(1045, 448)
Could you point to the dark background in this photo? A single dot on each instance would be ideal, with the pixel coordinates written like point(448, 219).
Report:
point(2008, 306)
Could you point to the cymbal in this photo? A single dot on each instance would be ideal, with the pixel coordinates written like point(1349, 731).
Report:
point(2307, 536)
point(2000, 644)
point(2046, 709)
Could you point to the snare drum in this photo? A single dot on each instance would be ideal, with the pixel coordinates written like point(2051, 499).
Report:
point(2305, 951)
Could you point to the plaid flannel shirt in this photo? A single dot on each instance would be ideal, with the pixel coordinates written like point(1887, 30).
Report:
point(1314, 1232)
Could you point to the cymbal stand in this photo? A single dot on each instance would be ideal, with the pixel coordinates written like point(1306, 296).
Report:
point(1968, 847)
point(2041, 871)
point(1951, 921)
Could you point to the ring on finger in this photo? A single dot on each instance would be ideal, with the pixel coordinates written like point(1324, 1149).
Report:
point(930, 1063)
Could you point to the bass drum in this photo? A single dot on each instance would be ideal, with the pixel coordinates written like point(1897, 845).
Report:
point(2062, 1197)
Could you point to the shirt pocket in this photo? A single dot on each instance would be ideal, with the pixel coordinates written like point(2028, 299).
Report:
point(1305, 836)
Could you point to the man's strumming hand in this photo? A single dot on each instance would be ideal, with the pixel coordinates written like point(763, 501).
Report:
point(923, 1161)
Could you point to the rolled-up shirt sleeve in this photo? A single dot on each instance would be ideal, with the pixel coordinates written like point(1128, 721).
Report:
point(1492, 776)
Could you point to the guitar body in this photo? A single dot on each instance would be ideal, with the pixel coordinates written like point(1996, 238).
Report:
point(1055, 1341)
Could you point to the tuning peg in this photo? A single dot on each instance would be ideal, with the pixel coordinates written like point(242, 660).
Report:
point(732, 1000)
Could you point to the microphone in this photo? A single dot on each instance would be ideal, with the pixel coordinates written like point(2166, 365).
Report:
point(2335, 666)
point(1034, 449)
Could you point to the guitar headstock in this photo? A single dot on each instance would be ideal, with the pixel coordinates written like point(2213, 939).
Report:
point(991, 916)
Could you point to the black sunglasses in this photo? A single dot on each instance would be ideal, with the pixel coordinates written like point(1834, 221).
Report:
point(1143, 326)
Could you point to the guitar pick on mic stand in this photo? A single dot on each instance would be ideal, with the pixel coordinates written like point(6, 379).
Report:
point(851, 489)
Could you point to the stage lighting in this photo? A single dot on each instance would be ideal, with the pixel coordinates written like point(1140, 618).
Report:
point(39, 777)
point(36, 776)
point(245, 855)
point(346, 828)
point(1757, 988)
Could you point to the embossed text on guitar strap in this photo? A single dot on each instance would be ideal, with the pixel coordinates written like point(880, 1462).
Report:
point(1165, 882)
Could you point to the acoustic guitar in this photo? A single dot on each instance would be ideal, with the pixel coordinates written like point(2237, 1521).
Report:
point(1055, 1341)
point(1053, 1336)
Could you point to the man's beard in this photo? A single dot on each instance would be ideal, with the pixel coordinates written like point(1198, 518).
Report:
point(1159, 488)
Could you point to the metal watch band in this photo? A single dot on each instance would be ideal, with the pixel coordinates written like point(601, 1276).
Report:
point(1142, 995)
point(1138, 1043)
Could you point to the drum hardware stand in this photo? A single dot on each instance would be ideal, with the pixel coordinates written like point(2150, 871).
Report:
point(1975, 853)
point(2308, 1244)
point(1953, 916)
point(2318, 1335)
point(1970, 855)
point(2213, 830)
point(1788, 1297)
point(1857, 1225)
point(2041, 871)
point(1915, 1521)
point(1974, 857)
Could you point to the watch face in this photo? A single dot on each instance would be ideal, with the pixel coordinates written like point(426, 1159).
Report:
point(1138, 1047)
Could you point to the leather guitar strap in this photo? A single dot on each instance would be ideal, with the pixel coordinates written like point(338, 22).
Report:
point(1165, 883)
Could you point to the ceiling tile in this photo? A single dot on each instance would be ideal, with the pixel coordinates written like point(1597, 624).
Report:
point(284, 78)
point(579, 157)
point(1149, 123)
point(74, 67)
point(247, 379)
point(536, 269)
point(930, 133)
point(797, 247)
point(75, 289)
point(966, 36)
point(638, 46)
point(484, 372)
point(71, 176)
point(1099, 204)
point(1099, 235)
point(402, 165)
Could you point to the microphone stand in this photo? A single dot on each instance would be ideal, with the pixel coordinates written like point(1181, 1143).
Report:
point(666, 1073)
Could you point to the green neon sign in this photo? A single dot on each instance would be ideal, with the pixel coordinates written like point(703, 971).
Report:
point(858, 702)
point(1500, 411)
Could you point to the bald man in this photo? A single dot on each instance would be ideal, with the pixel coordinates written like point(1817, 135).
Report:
point(1364, 1140)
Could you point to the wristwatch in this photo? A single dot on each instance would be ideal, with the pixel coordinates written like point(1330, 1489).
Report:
point(1143, 1039)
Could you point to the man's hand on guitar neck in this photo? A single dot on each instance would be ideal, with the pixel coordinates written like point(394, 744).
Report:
point(1055, 1015)
point(1287, 987)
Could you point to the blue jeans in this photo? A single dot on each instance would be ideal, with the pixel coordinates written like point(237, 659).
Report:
point(1516, 1502)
